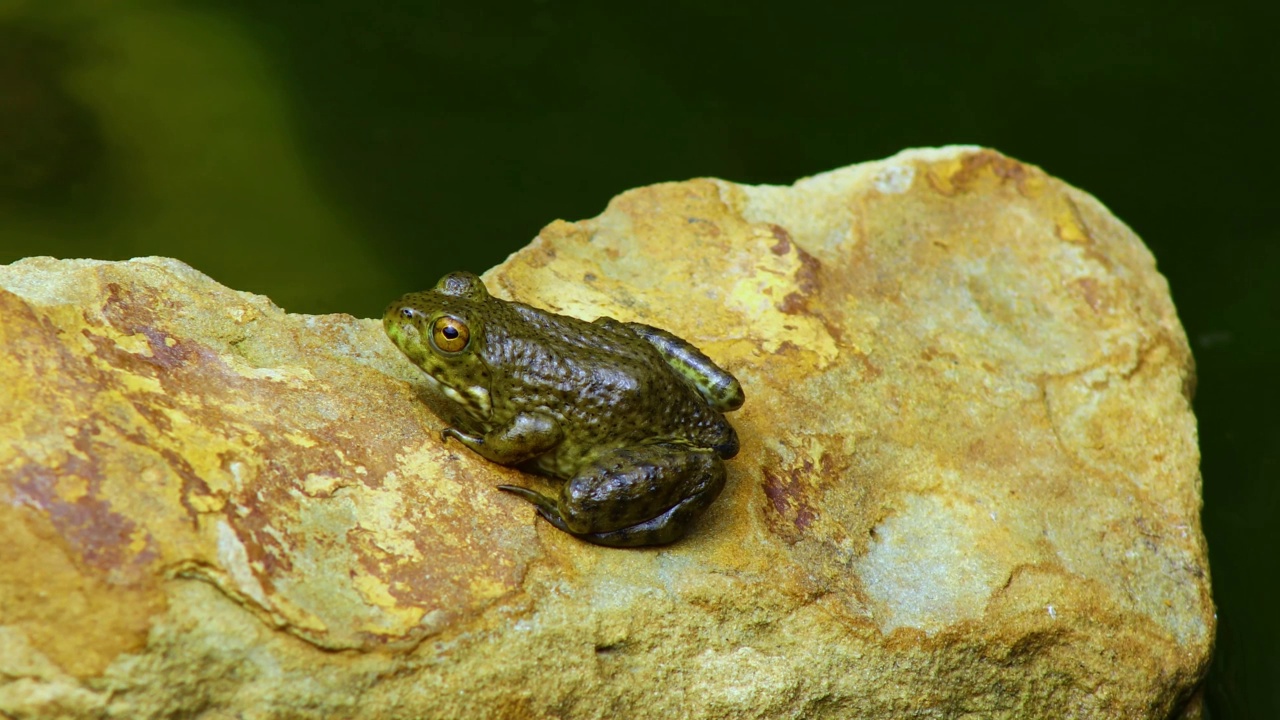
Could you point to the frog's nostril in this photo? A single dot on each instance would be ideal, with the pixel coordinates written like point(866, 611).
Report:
point(407, 313)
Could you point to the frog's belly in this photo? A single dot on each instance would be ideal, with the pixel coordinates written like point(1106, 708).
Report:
point(566, 462)
point(560, 463)
point(568, 459)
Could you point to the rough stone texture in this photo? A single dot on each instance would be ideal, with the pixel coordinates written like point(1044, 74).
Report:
point(968, 486)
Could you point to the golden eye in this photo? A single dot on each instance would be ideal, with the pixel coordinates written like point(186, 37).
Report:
point(450, 334)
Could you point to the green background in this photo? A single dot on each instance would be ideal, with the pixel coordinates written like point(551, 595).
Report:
point(333, 154)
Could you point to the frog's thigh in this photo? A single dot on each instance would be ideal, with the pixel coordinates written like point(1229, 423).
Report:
point(663, 485)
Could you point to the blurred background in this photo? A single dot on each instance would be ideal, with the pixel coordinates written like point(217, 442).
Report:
point(333, 154)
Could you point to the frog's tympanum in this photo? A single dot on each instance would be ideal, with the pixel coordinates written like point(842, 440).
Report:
point(628, 417)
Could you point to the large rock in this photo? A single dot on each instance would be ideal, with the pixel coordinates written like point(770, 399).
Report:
point(968, 483)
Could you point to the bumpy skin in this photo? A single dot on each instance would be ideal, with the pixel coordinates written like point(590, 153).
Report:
point(630, 417)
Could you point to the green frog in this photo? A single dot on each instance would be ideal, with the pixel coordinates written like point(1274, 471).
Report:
point(629, 418)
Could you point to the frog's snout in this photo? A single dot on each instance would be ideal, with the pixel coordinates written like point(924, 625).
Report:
point(401, 322)
point(402, 312)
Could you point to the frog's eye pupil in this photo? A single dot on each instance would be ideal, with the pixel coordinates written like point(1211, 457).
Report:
point(450, 332)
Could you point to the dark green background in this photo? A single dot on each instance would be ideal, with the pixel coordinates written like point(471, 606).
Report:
point(446, 135)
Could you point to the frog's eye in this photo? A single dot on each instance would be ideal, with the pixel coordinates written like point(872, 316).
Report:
point(450, 334)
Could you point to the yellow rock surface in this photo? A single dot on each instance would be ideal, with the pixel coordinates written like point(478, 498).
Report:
point(968, 481)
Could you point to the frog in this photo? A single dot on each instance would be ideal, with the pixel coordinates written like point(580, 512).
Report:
point(626, 418)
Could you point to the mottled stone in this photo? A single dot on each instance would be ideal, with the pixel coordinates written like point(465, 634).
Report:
point(968, 483)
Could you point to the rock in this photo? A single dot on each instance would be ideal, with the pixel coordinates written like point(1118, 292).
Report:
point(968, 483)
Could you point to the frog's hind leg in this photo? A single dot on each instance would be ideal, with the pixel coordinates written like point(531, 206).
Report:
point(631, 497)
point(546, 506)
point(661, 530)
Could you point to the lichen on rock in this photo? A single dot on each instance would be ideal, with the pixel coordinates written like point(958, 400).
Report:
point(968, 480)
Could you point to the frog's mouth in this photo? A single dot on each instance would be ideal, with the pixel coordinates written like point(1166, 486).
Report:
point(462, 379)
point(406, 337)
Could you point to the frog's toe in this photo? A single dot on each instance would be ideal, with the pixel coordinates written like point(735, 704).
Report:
point(546, 506)
point(553, 517)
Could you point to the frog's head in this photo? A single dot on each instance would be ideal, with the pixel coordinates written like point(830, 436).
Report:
point(442, 331)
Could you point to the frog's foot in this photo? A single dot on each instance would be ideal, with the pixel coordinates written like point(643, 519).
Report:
point(471, 441)
point(546, 506)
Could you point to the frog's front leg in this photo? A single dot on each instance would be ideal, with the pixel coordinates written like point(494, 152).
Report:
point(525, 436)
point(647, 495)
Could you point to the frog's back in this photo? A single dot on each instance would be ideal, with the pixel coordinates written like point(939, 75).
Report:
point(606, 386)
